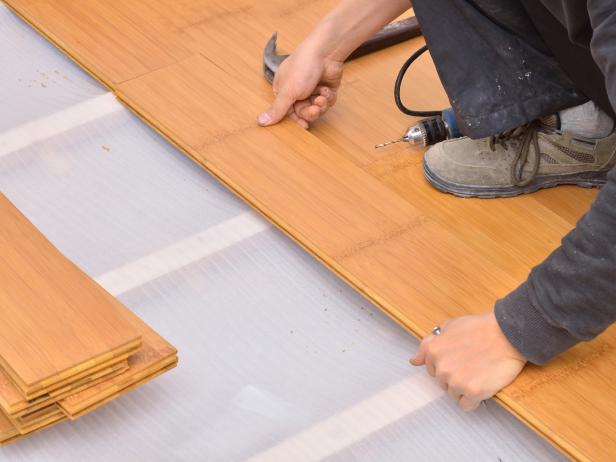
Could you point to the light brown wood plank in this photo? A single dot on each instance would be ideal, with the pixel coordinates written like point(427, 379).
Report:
point(38, 419)
point(155, 355)
point(14, 404)
point(165, 367)
point(8, 432)
point(57, 322)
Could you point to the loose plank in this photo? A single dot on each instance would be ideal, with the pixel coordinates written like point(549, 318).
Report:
point(15, 405)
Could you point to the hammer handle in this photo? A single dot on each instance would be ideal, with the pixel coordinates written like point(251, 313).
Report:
point(392, 34)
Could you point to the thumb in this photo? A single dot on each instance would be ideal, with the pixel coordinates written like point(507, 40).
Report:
point(277, 111)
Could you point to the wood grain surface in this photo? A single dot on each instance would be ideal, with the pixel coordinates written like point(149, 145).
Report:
point(155, 372)
point(154, 357)
point(57, 322)
point(192, 70)
point(8, 431)
point(15, 405)
point(38, 419)
point(10, 434)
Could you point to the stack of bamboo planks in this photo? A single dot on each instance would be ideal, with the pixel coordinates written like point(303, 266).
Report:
point(66, 346)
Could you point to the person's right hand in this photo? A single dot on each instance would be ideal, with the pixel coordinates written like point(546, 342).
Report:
point(304, 87)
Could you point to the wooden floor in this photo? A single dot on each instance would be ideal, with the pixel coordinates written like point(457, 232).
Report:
point(192, 69)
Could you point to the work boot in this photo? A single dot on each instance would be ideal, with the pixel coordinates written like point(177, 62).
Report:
point(520, 161)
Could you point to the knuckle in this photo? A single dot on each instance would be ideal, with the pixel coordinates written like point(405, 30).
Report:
point(473, 390)
point(467, 407)
point(434, 348)
point(444, 372)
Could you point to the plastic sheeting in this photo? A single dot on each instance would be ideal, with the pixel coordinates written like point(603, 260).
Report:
point(279, 360)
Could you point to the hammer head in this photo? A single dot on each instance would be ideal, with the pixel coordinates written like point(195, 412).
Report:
point(271, 59)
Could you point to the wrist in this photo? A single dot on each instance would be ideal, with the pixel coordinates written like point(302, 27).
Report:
point(513, 351)
point(323, 42)
point(527, 328)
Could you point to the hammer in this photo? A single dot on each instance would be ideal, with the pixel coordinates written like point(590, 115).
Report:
point(392, 34)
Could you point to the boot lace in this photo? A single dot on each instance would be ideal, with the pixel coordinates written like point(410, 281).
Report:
point(527, 134)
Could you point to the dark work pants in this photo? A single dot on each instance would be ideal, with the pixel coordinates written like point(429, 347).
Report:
point(505, 63)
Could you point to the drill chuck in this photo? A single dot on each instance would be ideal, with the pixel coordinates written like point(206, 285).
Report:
point(430, 131)
point(433, 130)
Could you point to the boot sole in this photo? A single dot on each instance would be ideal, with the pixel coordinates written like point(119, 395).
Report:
point(583, 179)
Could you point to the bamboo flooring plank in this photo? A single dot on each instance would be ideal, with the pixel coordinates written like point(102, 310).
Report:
point(8, 432)
point(155, 355)
point(15, 405)
point(86, 410)
point(57, 323)
point(420, 255)
point(68, 381)
point(38, 419)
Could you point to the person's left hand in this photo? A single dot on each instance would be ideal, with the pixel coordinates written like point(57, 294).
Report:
point(471, 359)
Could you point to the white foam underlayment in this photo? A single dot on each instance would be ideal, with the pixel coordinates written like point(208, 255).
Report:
point(182, 253)
point(355, 423)
point(72, 117)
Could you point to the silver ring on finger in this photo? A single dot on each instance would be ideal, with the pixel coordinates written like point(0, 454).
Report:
point(436, 330)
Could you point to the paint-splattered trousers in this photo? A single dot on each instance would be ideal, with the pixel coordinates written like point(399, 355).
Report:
point(505, 63)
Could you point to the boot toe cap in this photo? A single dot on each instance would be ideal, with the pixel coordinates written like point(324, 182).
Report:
point(465, 162)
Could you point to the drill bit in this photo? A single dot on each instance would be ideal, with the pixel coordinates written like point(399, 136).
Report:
point(387, 143)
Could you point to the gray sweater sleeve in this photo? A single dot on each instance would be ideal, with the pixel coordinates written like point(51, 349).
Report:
point(571, 296)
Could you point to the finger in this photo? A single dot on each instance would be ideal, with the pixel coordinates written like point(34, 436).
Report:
point(432, 361)
point(468, 404)
point(332, 98)
point(430, 368)
point(321, 90)
point(277, 111)
point(317, 101)
point(329, 94)
point(301, 122)
point(321, 102)
point(299, 106)
point(454, 393)
point(420, 357)
point(306, 110)
point(310, 113)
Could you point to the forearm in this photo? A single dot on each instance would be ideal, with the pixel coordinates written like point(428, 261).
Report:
point(571, 296)
point(350, 24)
